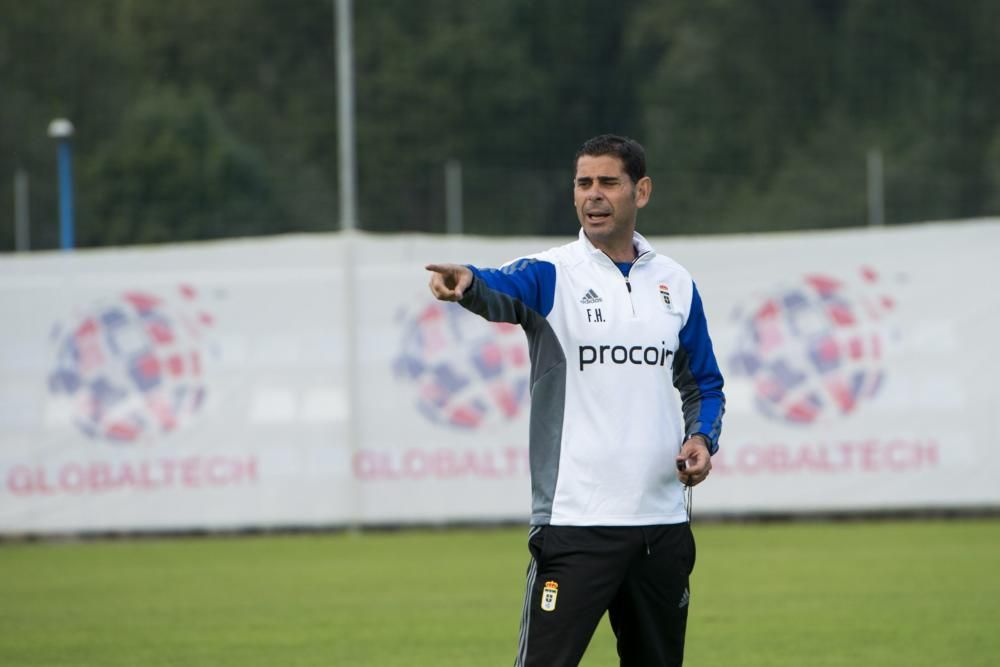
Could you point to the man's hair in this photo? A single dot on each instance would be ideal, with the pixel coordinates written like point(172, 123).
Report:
point(629, 151)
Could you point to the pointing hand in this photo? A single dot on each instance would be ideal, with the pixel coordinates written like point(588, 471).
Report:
point(449, 281)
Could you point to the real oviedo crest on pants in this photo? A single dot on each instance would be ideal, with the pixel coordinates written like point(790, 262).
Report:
point(549, 595)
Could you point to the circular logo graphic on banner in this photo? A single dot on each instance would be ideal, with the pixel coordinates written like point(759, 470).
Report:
point(814, 349)
point(467, 372)
point(134, 366)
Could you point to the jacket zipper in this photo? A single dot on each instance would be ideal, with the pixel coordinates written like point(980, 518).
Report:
point(628, 286)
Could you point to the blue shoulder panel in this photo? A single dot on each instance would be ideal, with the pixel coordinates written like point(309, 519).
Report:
point(530, 281)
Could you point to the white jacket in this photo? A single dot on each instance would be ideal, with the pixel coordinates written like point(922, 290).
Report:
point(609, 355)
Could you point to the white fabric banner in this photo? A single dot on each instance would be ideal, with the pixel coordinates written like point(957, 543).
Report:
point(213, 385)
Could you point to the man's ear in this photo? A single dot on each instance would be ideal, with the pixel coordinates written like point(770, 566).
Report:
point(643, 190)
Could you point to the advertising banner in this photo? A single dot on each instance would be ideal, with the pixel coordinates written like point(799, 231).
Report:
point(313, 380)
point(178, 387)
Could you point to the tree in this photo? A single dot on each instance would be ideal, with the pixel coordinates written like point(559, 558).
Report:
point(175, 171)
point(196, 120)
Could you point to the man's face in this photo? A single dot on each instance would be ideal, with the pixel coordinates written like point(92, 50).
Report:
point(607, 201)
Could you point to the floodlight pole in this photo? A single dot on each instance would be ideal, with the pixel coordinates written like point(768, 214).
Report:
point(348, 225)
point(61, 130)
point(345, 117)
point(453, 196)
point(22, 222)
point(876, 188)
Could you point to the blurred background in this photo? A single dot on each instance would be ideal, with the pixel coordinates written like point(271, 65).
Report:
point(197, 120)
point(829, 171)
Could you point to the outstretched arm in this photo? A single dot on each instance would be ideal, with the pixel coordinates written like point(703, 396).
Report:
point(449, 281)
point(506, 294)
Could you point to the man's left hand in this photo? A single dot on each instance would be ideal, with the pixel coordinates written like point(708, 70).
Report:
point(697, 461)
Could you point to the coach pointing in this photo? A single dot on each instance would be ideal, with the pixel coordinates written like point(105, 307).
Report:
point(616, 334)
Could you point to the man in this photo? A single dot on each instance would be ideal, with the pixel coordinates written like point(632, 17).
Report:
point(613, 327)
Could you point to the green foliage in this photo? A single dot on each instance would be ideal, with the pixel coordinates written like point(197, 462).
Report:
point(174, 170)
point(756, 114)
point(767, 109)
point(913, 594)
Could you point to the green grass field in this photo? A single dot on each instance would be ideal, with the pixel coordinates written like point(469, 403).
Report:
point(795, 594)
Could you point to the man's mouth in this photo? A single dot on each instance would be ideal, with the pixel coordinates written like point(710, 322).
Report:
point(597, 216)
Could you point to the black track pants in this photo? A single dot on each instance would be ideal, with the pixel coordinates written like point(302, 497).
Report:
point(639, 575)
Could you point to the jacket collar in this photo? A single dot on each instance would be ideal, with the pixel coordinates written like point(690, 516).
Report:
point(643, 250)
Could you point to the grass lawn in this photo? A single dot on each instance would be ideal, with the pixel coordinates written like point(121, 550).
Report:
point(880, 593)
